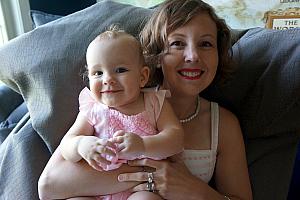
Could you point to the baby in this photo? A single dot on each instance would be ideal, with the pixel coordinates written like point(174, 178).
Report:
point(118, 120)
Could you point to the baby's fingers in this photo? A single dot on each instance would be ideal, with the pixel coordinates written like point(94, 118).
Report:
point(118, 139)
point(100, 160)
point(104, 150)
point(104, 142)
point(94, 165)
point(119, 133)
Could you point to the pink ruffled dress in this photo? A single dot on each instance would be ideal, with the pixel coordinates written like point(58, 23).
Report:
point(107, 121)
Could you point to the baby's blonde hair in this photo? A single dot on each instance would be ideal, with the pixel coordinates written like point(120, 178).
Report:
point(114, 31)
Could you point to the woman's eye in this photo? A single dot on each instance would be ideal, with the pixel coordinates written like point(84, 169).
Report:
point(206, 44)
point(121, 70)
point(176, 44)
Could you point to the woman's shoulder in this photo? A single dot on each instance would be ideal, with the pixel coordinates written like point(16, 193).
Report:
point(227, 119)
point(227, 115)
point(229, 128)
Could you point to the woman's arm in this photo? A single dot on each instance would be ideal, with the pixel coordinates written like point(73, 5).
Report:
point(64, 179)
point(231, 172)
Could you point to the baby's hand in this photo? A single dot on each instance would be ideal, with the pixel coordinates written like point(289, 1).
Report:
point(95, 151)
point(129, 145)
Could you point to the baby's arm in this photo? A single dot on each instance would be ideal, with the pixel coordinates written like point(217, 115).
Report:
point(79, 143)
point(167, 142)
point(170, 139)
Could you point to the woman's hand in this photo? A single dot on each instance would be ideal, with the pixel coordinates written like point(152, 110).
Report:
point(171, 177)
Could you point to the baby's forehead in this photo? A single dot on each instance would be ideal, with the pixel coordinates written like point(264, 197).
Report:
point(121, 40)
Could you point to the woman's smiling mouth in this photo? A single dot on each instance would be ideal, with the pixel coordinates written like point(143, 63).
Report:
point(191, 74)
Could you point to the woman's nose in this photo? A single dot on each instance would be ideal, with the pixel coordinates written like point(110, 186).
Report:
point(191, 54)
point(108, 79)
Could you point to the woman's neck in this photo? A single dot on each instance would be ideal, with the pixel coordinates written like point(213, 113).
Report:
point(183, 106)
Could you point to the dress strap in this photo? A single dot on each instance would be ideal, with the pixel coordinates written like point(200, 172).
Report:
point(214, 108)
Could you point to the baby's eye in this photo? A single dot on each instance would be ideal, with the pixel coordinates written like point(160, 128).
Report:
point(98, 73)
point(121, 70)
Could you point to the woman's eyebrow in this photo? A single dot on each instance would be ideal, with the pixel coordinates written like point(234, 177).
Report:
point(177, 35)
point(184, 35)
point(208, 35)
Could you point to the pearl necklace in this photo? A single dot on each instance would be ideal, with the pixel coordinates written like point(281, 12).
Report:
point(195, 114)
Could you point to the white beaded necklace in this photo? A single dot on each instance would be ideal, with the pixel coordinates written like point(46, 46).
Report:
point(195, 114)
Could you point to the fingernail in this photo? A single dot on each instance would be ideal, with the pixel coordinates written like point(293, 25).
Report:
point(129, 162)
point(120, 178)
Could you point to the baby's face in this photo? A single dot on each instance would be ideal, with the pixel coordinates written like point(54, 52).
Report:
point(116, 74)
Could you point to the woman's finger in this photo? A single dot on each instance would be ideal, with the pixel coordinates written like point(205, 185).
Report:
point(137, 176)
point(146, 162)
point(140, 187)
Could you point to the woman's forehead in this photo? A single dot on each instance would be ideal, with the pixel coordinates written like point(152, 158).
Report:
point(201, 23)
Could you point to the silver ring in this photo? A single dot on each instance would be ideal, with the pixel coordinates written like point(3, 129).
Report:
point(150, 182)
point(151, 187)
point(150, 177)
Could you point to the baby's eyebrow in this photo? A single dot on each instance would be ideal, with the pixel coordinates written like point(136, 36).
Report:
point(94, 67)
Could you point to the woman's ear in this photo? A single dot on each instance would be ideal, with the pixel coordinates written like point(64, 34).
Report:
point(145, 73)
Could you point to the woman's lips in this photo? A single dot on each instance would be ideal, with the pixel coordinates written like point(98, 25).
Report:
point(190, 74)
point(110, 91)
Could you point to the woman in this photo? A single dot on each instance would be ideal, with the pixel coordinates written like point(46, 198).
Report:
point(191, 46)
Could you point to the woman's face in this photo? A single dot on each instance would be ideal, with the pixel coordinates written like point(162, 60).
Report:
point(190, 64)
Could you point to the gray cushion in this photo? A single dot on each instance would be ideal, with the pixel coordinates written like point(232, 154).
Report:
point(265, 91)
point(9, 100)
point(40, 18)
point(23, 155)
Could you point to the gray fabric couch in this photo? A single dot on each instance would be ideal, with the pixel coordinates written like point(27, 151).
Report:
point(43, 66)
